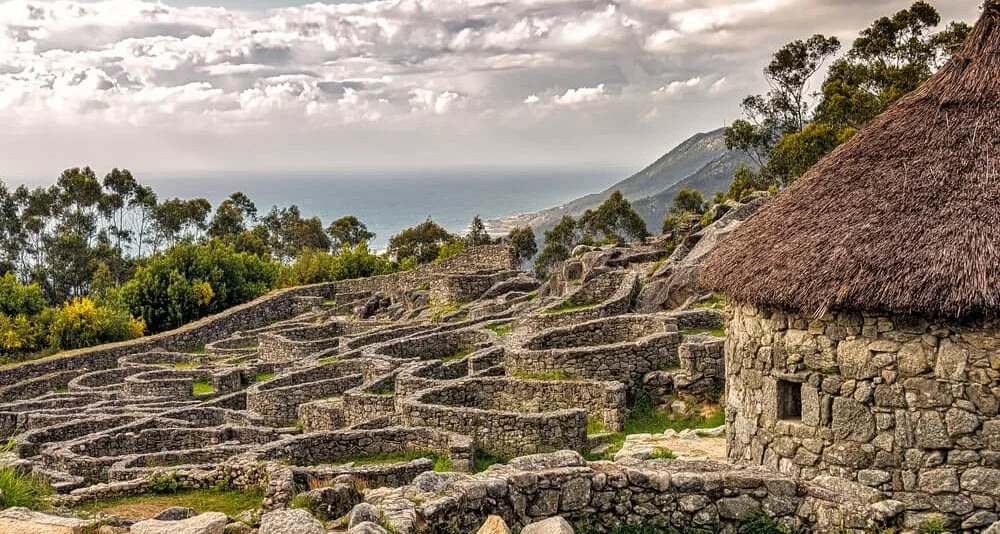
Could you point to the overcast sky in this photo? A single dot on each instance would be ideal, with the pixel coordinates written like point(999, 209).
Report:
point(189, 86)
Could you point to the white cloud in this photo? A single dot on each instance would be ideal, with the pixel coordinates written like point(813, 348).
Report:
point(127, 74)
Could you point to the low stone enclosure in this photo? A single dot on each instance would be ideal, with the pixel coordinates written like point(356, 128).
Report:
point(285, 394)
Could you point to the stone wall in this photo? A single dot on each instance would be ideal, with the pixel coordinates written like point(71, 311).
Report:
point(476, 259)
point(496, 417)
point(622, 349)
point(689, 496)
point(623, 288)
point(896, 403)
point(452, 288)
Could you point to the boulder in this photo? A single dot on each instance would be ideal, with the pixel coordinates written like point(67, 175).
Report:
point(367, 527)
point(292, 521)
point(334, 501)
point(25, 521)
point(552, 525)
point(363, 513)
point(175, 513)
point(207, 523)
point(549, 460)
point(494, 524)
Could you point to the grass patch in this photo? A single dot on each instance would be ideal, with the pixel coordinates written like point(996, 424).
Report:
point(64, 389)
point(330, 359)
point(662, 453)
point(203, 387)
point(200, 349)
point(445, 310)
point(568, 306)
point(264, 377)
point(484, 459)
point(644, 418)
point(716, 302)
point(186, 365)
point(501, 329)
point(229, 501)
point(595, 427)
point(763, 524)
point(656, 267)
point(459, 355)
point(384, 389)
point(330, 302)
point(557, 374)
point(20, 489)
point(441, 461)
point(717, 332)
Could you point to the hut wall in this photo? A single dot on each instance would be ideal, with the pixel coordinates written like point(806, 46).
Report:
point(896, 403)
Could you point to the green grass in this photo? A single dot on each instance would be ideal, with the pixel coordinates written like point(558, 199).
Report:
point(441, 461)
point(656, 266)
point(203, 387)
point(196, 350)
point(459, 355)
point(568, 307)
point(717, 332)
point(645, 419)
point(484, 459)
point(19, 489)
point(932, 526)
point(662, 453)
point(557, 374)
point(595, 427)
point(186, 365)
point(386, 389)
point(64, 389)
point(762, 524)
point(229, 501)
point(445, 310)
point(329, 359)
point(716, 302)
point(330, 302)
point(263, 377)
point(501, 329)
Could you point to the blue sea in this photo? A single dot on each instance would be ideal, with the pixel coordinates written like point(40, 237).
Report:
point(391, 201)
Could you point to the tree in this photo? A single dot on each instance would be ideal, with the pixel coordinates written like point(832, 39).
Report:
point(289, 233)
point(559, 243)
point(521, 240)
point(614, 219)
point(190, 281)
point(121, 189)
point(232, 215)
point(348, 231)
point(477, 235)
point(176, 219)
point(785, 108)
point(688, 201)
point(422, 242)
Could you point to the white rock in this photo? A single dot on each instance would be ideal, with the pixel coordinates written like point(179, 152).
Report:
point(552, 525)
point(207, 523)
point(25, 521)
point(291, 521)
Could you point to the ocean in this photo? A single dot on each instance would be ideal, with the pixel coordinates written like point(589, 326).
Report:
point(390, 202)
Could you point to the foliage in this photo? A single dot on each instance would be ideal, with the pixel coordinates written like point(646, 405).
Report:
point(483, 459)
point(191, 281)
point(20, 489)
point(521, 240)
point(163, 483)
point(763, 524)
point(422, 242)
point(688, 201)
point(19, 299)
point(932, 526)
point(555, 374)
point(348, 231)
point(477, 235)
point(785, 133)
point(559, 242)
point(202, 387)
point(614, 219)
point(451, 248)
point(289, 233)
point(501, 329)
point(264, 377)
point(82, 323)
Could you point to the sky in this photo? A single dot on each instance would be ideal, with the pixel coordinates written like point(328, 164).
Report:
point(189, 86)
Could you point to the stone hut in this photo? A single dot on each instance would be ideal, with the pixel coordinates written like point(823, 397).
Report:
point(864, 335)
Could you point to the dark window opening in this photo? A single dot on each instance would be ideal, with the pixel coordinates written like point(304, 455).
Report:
point(789, 400)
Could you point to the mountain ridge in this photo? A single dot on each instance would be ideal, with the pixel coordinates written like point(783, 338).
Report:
point(701, 162)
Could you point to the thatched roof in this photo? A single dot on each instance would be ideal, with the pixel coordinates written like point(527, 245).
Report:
point(904, 217)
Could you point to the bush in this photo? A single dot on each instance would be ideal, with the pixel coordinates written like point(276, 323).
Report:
point(19, 335)
point(189, 282)
point(82, 323)
point(19, 299)
point(313, 267)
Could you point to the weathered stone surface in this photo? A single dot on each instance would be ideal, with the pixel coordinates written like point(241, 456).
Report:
point(176, 513)
point(207, 523)
point(291, 521)
point(494, 524)
point(852, 420)
point(367, 527)
point(24, 521)
point(552, 525)
point(939, 480)
point(741, 507)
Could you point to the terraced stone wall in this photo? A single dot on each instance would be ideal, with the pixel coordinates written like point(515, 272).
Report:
point(896, 403)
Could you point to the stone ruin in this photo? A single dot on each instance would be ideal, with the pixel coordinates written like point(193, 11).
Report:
point(434, 367)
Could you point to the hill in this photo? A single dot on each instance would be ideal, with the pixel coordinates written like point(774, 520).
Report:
point(701, 162)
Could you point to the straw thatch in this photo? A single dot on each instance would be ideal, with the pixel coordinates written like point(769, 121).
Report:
point(902, 218)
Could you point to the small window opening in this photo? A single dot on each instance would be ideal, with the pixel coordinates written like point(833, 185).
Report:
point(789, 400)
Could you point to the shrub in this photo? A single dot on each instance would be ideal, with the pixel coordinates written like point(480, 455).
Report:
point(82, 323)
point(163, 483)
point(19, 299)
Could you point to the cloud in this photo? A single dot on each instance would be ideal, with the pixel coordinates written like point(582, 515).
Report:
point(131, 74)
